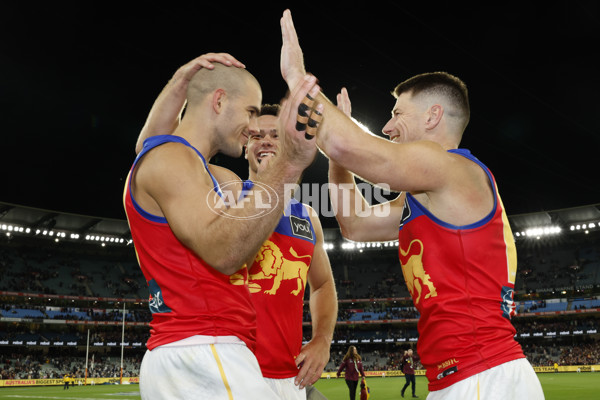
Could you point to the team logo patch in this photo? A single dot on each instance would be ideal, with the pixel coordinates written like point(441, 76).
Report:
point(272, 267)
point(509, 309)
point(301, 227)
point(447, 372)
point(418, 281)
point(156, 302)
point(406, 213)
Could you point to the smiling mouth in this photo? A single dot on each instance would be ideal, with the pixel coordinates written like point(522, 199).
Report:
point(261, 155)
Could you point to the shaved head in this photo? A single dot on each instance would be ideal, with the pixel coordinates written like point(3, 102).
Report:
point(232, 80)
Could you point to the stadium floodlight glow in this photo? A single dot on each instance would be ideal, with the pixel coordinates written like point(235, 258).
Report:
point(542, 231)
point(348, 246)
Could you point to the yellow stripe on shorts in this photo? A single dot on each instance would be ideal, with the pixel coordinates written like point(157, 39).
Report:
point(222, 372)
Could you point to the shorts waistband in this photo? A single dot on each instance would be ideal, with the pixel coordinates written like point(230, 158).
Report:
point(203, 339)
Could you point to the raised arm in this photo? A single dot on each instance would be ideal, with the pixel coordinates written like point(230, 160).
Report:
point(353, 148)
point(360, 221)
point(323, 310)
point(419, 166)
point(170, 181)
point(165, 114)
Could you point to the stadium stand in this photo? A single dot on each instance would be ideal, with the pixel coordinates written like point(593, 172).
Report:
point(56, 292)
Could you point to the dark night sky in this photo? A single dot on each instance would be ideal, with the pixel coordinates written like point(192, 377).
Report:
point(76, 85)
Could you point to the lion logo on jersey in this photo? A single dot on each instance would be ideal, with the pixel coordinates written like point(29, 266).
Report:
point(274, 266)
point(414, 272)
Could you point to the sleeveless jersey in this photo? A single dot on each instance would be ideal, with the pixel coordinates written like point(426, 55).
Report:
point(461, 279)
point(277, 280)
point(187, 296)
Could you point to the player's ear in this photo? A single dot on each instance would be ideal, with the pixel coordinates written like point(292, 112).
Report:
point(433, 116)
point(218, 99)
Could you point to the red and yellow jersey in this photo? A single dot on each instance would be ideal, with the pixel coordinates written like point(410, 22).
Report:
point(187, 296)
point(461, 279)
point(277, 280)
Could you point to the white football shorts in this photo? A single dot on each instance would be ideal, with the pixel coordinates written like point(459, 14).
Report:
point(286, 389)
point(513, 380)
point(201, 367)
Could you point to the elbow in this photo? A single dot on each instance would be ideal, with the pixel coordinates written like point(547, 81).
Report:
point(334, 149)
point(349, 232)
point(227, 265)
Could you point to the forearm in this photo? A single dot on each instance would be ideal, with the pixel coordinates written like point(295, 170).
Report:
point(241, 227)
point(346, 199)
point(324, 310)
point(340, 137)
point(165, 113)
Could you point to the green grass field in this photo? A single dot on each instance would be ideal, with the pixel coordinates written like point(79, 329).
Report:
point(583, 386)
point(571, 386)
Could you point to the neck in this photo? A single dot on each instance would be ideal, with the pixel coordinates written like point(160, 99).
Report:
point(200, 138)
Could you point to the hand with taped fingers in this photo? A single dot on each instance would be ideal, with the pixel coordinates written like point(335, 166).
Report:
point(309, 116)
point(298, 148)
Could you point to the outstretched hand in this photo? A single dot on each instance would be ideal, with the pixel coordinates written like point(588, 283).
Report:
point(187, 71)
point(343, 102)
point(297, 145)
point(292, 59)
point(166, 111)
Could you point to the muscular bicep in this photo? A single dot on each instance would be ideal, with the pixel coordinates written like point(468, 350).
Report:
point(402, 167)
point(320, 268)
point(172, 182)
point(379, 223)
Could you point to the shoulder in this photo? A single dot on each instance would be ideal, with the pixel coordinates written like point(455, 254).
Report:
point(172, 164)
point(222, 174)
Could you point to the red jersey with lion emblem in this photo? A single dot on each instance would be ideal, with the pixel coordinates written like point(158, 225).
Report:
point(461, 279)
point(187, 296)
point(277, 280)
